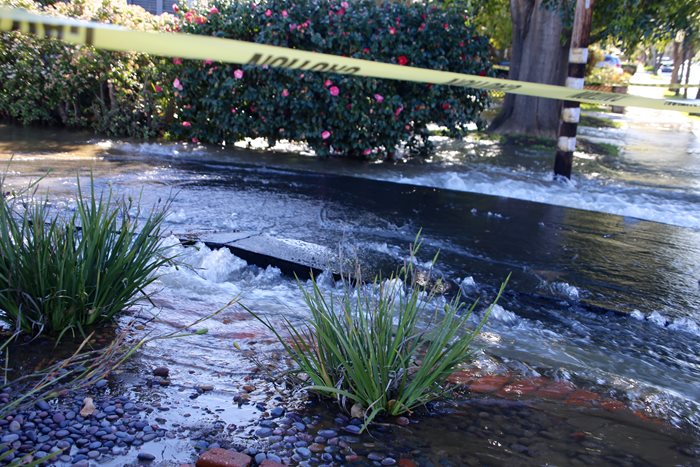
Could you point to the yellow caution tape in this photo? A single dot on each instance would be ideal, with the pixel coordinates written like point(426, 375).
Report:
point(191, 46)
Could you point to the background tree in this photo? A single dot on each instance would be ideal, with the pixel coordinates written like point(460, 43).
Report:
point(541, 31)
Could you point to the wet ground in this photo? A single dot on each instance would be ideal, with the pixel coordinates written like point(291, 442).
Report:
point(607, 303)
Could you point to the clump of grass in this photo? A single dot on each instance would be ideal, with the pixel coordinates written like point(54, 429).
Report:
point(66, 272)
point(371, 347)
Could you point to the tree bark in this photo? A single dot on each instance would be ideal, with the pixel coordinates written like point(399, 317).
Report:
point(538, 55)
point(676, 64)
point(689, 52)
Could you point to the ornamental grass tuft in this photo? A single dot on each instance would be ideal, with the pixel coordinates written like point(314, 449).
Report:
point(383, 348)
point(64, 272)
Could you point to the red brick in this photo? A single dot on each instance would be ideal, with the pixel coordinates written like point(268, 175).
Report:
point(218, 457)
point(518, 389)
point(463, 377)
point(581, 397)
point(488, 383)
point(612, 405)
point(556, 390)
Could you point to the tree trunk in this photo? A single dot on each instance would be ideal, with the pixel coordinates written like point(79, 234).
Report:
point(538, 55)
point(676, 64)
point(689, 52)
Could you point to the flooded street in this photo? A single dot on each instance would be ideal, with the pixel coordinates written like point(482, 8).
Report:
point(604, 295)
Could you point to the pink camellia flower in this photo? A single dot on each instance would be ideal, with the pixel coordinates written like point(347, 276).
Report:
point(208, 61)
point(325, 134)
point(213, 11)
point(238, 74)
point(285, 93)
point(284, 13)
point(334, 90)
point(421, 27)
point(177, 61)
point(398, 111)
point(327, 83)
point(365, 50)
point(379, 98)
point(268, 12)
point(446, 26)
point(345, 5)
point(189, 16)
point(366, 152)
point(186, 124)
point(158, 88)
point(177, 84)
point(392, 31)
point(340, 12)
point(402, 60)
point(195, 140)
point(175, 8)
point(234, 110)
point(461, 43)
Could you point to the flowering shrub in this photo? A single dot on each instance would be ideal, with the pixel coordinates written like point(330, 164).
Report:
point(46, 81)
point(336, 114)
point(51, 82)
point(608, 76)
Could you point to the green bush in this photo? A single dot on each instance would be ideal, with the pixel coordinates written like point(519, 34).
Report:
point(45, 81)
point(335, 114)
point(128, 94)
point(63, 272)
point(380, 347)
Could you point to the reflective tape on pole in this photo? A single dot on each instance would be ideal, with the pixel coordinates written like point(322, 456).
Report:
point(196, 47)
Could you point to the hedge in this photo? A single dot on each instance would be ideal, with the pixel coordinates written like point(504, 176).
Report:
point(44, 81)
point(216, 103)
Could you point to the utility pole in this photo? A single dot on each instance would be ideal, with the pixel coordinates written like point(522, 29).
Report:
point(571, 111)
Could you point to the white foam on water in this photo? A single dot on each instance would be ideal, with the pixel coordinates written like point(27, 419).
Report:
point(501, 314)
point(638, 315)
point(657, 318)
point(683, 324)
point(566, 290)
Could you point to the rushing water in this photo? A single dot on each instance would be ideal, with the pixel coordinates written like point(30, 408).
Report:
point(610, 301)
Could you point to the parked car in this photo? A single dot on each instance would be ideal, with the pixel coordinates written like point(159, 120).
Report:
point(612, 62)
point(665, 69)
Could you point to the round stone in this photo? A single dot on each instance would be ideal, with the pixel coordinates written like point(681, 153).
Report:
point(328, 433)
point(11, 438)
point(43, 405)
point(147, 457)
point(303, 452)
